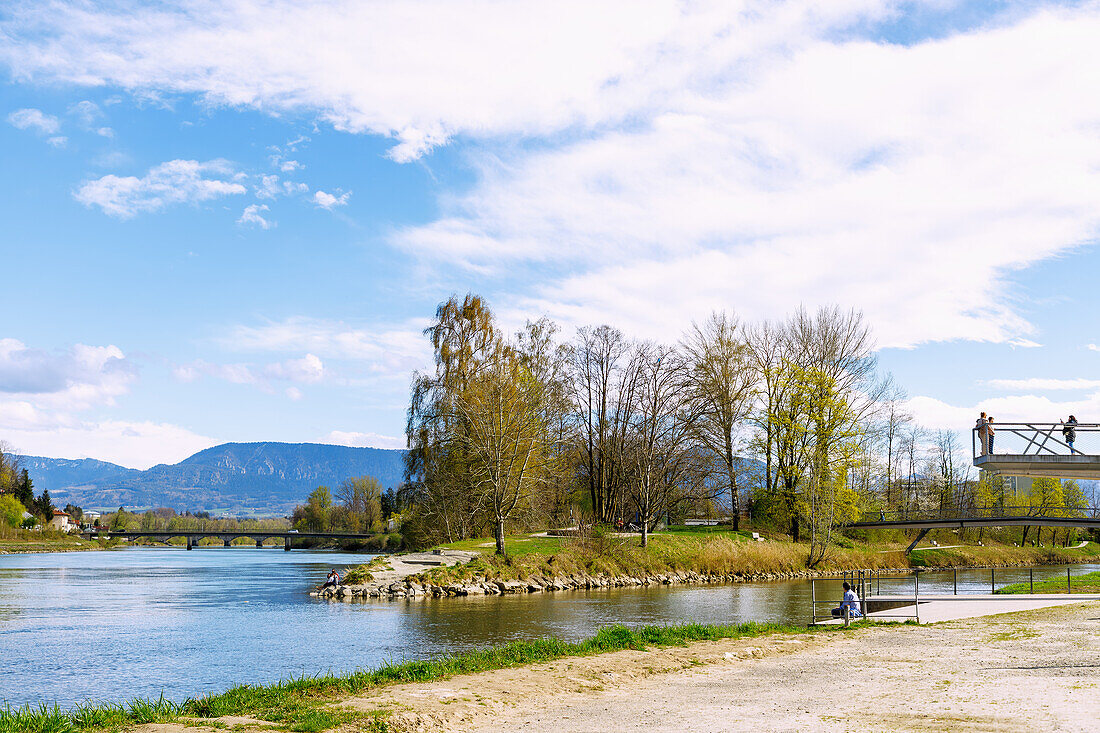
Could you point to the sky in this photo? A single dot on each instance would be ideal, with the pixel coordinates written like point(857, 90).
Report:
point(230, 221)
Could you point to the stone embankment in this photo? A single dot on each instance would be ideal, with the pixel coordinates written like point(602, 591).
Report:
point(404, 588)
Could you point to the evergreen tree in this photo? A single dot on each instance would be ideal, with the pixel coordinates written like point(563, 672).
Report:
point(44, 505)
point(24, 490)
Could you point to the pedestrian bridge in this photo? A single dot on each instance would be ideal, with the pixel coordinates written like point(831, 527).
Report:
point(1040, 449)
point(193, 536)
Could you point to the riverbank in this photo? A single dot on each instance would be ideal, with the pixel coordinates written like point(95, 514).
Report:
point(1087, 583)
point(40, 542)
point(1022, 671)
point(319, 703)
point(538, 563)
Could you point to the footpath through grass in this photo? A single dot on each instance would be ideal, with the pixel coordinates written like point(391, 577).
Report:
point(311, 704)
point(1087, 583)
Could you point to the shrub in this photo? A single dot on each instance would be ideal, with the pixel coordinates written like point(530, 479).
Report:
point(11, 511)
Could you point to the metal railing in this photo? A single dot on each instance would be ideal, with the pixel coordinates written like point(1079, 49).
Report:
point(868, 587)
point(1037, 438)
point(970, 511)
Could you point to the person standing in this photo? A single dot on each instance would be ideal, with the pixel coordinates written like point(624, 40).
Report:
point(991, 432)
point(1069, 432)
point(982, 425)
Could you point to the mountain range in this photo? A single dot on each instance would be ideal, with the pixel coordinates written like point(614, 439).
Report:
point(233, 478)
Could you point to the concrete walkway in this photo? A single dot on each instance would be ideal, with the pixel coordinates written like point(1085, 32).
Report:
point(936, 608)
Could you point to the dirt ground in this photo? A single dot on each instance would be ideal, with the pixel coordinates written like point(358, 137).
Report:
point(1037, 670)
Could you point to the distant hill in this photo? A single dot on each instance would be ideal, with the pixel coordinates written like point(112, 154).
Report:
point(235, 478)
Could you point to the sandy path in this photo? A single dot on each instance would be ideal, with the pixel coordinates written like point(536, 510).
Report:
point(1036, 670)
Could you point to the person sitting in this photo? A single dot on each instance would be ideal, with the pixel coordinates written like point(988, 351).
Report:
point(332, 580)
point(851, 602)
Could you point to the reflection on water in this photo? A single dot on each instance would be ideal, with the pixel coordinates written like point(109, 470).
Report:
point(120, 624)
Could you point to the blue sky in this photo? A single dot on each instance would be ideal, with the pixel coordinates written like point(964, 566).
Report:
point(230, 221)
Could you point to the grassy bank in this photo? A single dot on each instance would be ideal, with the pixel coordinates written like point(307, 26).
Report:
point(18, 541)
point(1087, 583)
point(718, 553)
point(311, 704)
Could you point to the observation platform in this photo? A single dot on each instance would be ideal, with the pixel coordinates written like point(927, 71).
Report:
point(1053, 466)
point(1053, 450)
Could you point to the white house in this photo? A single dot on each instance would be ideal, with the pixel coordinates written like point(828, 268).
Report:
point(61, 521)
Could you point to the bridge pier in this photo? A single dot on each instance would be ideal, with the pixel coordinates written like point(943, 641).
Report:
point(260, 542)
point(286, 544)
point(227, 543)
point(190, 543)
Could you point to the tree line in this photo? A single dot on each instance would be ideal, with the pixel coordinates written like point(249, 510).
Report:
point(17, 494)
point(789, 422)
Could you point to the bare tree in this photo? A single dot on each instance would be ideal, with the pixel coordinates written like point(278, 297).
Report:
point(603, 385)
point(659, 432)
point(722, 384)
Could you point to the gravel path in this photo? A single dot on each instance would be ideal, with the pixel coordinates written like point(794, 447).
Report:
point(1035, 670)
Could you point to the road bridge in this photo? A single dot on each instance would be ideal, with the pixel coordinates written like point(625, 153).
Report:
point(193, 536)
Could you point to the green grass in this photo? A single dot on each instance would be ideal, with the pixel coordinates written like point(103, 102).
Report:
point(1002, 556)
point(1087, 583)
point(310, 704)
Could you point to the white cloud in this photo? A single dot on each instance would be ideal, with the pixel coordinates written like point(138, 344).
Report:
point(34, 119)
point(58, 141)
point(232, 373)
point(71, 380)
point(683, 156)
point(328, 201)
point(42, 394)
point(131, 444)
point(1093, 347)
point(289, 166)
point(87, 112)
point(308, 369)
point(910, 182)
point(364, 440)
point(252, 215)
point(1039, 384)
point(270, 187)
point(173, 182)
point(105, 132)
point(294, 393)
point(388, 349)
point(935, 413)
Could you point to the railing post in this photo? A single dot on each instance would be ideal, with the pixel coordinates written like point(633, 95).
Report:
point(813, 602)
point(1031, 580)
point(847, 617)
point(992, 580)
point(956, 592)
point(1068, 588)
point(916, 595)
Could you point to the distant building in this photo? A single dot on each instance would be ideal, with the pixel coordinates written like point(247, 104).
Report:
point(61, 521)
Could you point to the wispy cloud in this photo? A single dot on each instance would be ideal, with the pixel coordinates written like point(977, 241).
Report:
point(253, 215)
point(1038, 384)
point(34, 119)
point(173, 182)
point(363, 440)
point(329, 201)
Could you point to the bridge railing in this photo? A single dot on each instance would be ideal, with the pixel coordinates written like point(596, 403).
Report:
point(979, 512)
point(1038, 439)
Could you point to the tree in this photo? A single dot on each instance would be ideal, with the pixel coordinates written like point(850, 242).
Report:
point(437, 467)
point(603, 382)
point(11, 510)
point(314, 515)
point(43, 506)
point(657, 445)
point(507, 436)
point(723, 387)
point(362, 497)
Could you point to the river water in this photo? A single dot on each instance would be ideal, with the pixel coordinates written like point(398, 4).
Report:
point(141, 622)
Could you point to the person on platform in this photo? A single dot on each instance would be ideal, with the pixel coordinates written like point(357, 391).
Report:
point(1069, 432)
point(982, 425)
point(851, 602)
point(991, 432)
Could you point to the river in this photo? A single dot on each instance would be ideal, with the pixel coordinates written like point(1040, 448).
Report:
point(139, 622)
